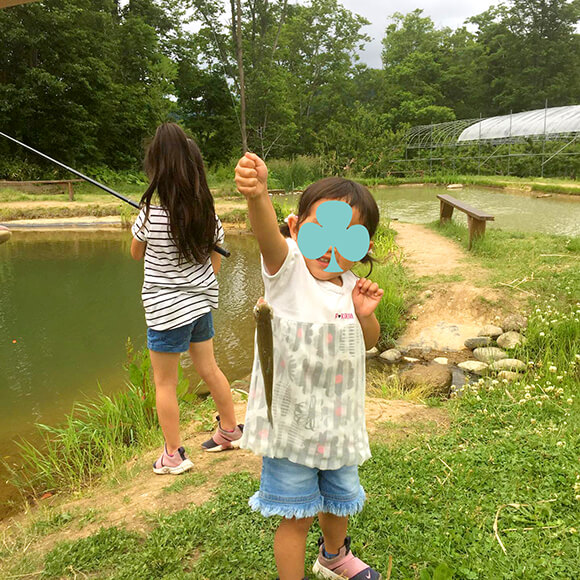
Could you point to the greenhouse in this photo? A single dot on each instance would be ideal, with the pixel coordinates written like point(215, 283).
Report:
point(527, 143)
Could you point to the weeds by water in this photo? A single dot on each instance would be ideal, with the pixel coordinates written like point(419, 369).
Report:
point(388, 272)
point(96, 437)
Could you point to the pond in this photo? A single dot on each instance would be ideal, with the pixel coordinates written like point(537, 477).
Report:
point(70, 301)
point(551, 215)
point(557, 214)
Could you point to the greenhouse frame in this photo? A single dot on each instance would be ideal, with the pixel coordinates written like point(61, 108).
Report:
point(529, 142)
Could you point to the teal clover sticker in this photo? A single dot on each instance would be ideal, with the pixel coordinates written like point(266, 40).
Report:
point(333, 232)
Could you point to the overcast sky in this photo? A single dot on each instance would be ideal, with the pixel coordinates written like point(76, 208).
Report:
point(450, 13)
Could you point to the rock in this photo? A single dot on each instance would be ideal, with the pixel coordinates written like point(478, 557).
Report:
point(491, 331)
point(474, 366)
point(509, 364)
point(509, 376)
point(428, 293)
point(489, 354)
point(478, 342)
point(372, 352)
point(441, 360)
point(426, 350)
point(515, 322)
point(435, 377)
point(410, 359)
point(455, 186)
point(509, 339)
point(391, 356)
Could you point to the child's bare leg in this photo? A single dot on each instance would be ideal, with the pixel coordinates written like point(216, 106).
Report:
point(333, 531)
point(203, 359)
point(165, 376)
point(290, 547)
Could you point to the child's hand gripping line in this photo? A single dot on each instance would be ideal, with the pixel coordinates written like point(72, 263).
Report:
point(252, 182)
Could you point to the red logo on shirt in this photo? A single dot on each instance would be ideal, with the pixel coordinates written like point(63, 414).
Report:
point(344, 315)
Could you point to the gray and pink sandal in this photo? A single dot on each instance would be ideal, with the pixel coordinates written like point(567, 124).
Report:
point(223, 440)
point(343, 566)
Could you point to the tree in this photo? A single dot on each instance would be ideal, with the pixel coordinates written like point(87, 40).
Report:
point(531, 54)
point(412, 60)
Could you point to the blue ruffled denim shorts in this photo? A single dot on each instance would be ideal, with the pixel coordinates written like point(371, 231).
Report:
point(296, 491)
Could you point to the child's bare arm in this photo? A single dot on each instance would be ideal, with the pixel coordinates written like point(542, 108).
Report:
point(138, 249)
point(252, 182)
point(371, 330)
point(216, 262)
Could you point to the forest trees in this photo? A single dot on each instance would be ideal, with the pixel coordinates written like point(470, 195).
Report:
point(88, 80)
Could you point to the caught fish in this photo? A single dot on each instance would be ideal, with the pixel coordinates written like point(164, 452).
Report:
point(263, 314)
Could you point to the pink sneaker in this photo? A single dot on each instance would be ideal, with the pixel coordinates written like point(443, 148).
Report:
point(223, 440)
point(343, 566)
point(173, 464)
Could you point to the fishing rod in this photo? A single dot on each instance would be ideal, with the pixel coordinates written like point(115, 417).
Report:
point(216, 248)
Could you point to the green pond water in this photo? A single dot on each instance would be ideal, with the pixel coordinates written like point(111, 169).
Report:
point(557, 214)
point(68, 304)
point(70, 300)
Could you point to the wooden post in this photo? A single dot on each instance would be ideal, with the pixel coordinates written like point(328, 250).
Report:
point(71, 193)
point(445, 211)
point(476, 229)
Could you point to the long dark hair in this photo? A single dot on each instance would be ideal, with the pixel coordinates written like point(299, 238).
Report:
point(174, 166)
point(355, 194)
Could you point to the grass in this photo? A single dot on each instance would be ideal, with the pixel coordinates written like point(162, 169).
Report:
point(189, 479)
point(540, 184)
point(495, 496)
point(530, 264)
point(96, 437)
point(437, 504)
point(388, 272)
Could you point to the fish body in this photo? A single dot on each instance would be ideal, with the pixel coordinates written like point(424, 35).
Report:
point(263, 314)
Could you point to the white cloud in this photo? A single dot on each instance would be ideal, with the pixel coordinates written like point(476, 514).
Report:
point(443, 13)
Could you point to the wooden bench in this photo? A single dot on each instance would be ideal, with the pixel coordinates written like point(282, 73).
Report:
point(67, 185)
point(476, 219)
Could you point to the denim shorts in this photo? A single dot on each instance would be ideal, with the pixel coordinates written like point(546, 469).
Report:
point(178, 339)
point(296, 491)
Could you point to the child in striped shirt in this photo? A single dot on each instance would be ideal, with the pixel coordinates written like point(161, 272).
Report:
point(176, 238)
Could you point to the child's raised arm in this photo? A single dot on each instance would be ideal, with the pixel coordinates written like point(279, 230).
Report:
point(252, 182)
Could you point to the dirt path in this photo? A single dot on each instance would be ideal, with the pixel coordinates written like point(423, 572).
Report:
point(457, 306)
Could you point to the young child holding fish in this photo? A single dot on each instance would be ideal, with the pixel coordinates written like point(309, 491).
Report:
point(306, 405)
point(176, 238)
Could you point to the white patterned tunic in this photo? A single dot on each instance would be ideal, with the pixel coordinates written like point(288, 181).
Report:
point(319, 372)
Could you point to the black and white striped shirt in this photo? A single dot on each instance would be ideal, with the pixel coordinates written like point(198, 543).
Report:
point(173, 294)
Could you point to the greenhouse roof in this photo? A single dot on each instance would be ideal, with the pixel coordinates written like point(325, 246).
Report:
point(552, 121)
